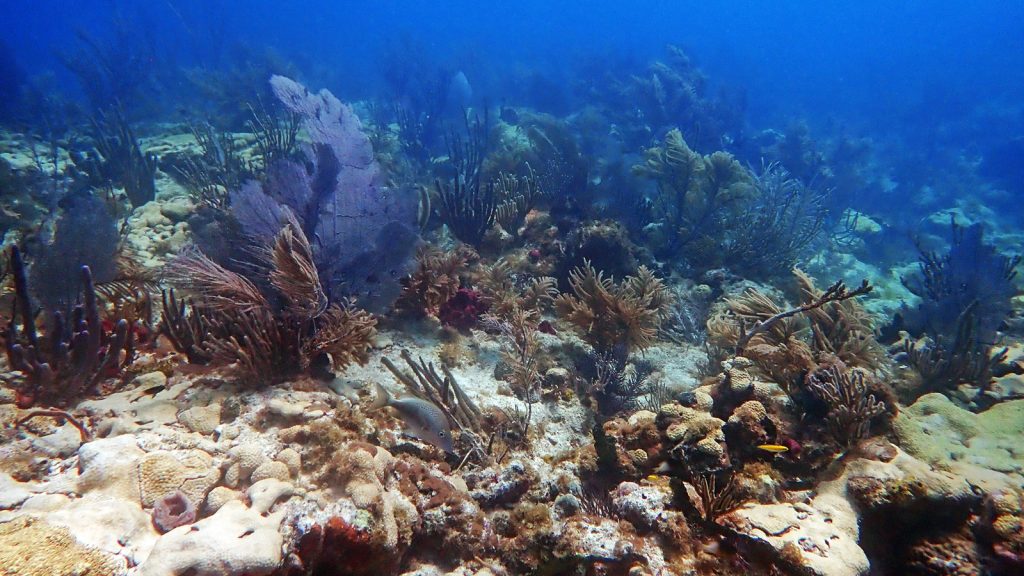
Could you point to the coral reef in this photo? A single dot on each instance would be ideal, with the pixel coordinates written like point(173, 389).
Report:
point(395, 337)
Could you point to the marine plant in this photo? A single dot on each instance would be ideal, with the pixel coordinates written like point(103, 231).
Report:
point(699, 199)
point(73, 355)
point(271, 327)
point(615, 317)
point(468, 204)
point(116, 160)
point(965, 297)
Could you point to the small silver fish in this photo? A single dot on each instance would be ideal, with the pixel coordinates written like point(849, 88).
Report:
point(423, 419)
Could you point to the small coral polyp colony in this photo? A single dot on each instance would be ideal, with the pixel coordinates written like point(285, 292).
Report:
point(323, 347)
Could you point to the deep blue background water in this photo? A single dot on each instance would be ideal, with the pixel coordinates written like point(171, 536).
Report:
point(927, 73)
point(867, 61)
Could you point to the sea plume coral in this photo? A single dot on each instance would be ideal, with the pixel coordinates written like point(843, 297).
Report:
point(222, 290)
point(698, 200)
point(615, 316)
point(294, 274)
point(235, 323)
point(435, 280)
point(345, 332)
point(506, 294)
point(965, 296)
point(781, 219)
point(756, 327)
point(842, 328)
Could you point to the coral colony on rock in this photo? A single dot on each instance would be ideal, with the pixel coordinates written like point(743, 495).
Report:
point(375, 292)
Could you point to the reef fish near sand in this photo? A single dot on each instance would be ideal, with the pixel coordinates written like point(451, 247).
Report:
point(423, 419)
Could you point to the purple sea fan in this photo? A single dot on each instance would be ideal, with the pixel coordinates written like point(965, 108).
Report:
point(362, 232)
point(329, 121)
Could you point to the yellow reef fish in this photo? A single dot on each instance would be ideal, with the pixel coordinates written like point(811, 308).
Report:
point(773, 448)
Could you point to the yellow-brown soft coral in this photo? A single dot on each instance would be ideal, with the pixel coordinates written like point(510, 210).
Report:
point(435, 280)
point(504, 296)
point(842, 328)
point(236, 324)
point(346, 333)
point(609, 315)
point(779, 352)
point(777, 339)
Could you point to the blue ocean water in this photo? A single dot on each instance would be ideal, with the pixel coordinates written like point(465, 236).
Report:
point(854, 60)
